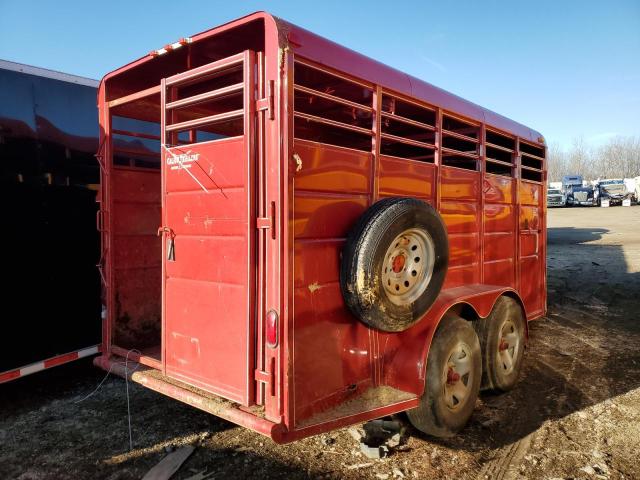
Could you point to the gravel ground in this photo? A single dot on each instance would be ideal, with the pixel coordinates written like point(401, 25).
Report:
point(574, 414)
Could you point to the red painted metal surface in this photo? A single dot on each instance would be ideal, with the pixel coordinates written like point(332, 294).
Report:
point(253, 224)
point(208, 286)
point(217, 406)
point(208, 253)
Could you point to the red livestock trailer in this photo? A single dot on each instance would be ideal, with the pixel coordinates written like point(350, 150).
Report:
point(317, 239)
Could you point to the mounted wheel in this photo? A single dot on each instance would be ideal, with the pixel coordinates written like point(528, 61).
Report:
point(394, 263)
point(502, 339)
point(454, 369)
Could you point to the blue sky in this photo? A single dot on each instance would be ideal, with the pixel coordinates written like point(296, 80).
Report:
point(565, 68)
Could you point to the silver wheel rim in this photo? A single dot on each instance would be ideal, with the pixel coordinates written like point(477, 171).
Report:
point(508, 347)
point(408, 266)
point(458, 376)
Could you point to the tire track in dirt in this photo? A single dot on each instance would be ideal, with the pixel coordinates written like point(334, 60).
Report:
point(505, 464)
point(561, 352)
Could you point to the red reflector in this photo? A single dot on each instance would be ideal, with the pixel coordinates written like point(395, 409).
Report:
point(272, 328)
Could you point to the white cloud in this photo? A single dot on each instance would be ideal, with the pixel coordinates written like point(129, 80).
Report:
point(433, 63)
point(602, 137)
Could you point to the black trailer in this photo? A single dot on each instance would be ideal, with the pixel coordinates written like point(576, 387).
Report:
point(49, 243)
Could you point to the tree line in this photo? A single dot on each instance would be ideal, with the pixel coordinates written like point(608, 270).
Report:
point(617, 158)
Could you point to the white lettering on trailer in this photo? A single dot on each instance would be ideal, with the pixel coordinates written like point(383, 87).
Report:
point(182, 160)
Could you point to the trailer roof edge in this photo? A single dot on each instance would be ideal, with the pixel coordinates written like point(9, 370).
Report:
point(45, 72)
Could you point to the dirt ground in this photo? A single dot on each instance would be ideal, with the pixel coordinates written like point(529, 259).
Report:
point(575, 413)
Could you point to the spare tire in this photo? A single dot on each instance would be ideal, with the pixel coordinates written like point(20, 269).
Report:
point(394, 263)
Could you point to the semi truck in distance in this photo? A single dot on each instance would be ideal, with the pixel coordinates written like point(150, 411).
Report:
point(612, 191)
point(581, 196)
point(569, 182)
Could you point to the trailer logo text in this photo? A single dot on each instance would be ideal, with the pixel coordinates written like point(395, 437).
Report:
point(182, 160)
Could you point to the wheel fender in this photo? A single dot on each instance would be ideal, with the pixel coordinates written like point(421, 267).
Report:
point(406, 352)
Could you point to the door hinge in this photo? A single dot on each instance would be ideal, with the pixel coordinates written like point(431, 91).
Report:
point(268, 222)
point(268, 378)
point(267, 102)
point(100, 220)
point(263, 222)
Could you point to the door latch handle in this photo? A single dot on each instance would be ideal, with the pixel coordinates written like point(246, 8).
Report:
point(171, 247)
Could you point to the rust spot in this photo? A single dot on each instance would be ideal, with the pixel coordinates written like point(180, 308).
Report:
point(398, 263)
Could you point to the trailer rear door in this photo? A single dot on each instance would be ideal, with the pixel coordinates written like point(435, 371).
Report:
point(208, 227)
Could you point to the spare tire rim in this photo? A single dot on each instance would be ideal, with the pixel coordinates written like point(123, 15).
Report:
point(508, 347)
point(408, 266)
point(458, 376)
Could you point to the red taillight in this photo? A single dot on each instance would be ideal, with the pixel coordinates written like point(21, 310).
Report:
point(272, 328)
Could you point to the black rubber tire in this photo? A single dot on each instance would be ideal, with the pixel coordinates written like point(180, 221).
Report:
point(363, 256)
point(433, 416)
point(488, 330)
